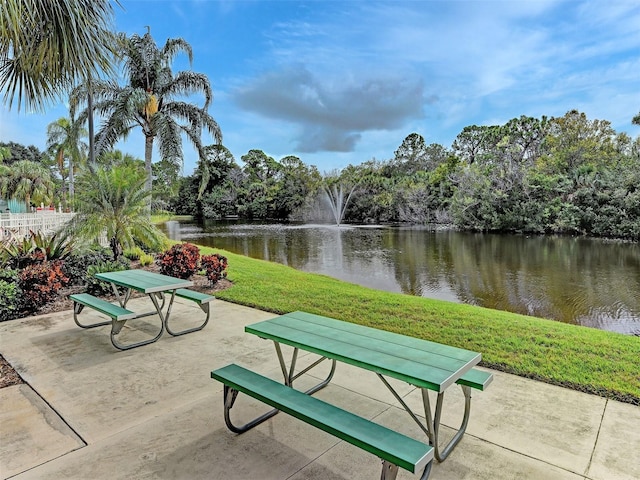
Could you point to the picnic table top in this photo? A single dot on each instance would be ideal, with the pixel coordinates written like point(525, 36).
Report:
point(143, 280)
point(419, 362)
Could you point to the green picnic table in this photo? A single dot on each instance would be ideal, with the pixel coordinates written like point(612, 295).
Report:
point(429, 366)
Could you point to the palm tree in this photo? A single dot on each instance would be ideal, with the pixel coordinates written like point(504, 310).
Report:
point(64, 139)
point(47, 46)
point(28, 181)
point(113, 200)
point(150, 101)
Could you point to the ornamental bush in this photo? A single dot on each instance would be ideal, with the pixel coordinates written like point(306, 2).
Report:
point(133, 253)
point(215, 266)
point(40, 283)
point(180, 261)
point(77, 265)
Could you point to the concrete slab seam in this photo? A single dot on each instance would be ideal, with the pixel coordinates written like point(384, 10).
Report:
point(595, 444)
point(53, 409)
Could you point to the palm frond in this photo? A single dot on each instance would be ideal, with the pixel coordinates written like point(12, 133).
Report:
point(169, 139)
point(188, 82)
point(173, 46)
point(47, 46)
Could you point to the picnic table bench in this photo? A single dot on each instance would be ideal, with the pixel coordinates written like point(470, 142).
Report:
point(395, 450)
point(156, 286)
point(429, 366)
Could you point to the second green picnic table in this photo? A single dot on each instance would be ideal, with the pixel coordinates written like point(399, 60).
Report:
point(156, 286)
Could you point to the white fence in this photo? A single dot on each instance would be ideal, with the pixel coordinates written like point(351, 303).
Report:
point(15, 226)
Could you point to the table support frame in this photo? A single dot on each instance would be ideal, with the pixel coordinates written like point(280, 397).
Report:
point(123, 299)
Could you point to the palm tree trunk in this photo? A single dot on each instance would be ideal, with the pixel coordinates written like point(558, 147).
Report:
point(148, 150)
point(71, 177)
point(92, 148)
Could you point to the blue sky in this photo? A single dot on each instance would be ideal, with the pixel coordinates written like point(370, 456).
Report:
point(342, 82)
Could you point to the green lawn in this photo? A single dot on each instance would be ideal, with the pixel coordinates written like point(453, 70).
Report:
point(586, 359)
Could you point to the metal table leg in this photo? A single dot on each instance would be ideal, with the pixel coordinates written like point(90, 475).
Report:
point(116, 326)
point(289, 374)
point(432, 425)
point(204, 307)
point(77, 308)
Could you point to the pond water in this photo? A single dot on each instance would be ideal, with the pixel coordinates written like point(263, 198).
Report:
point(583, 281)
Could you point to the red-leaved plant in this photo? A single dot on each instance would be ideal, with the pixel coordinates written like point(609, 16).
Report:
point(179, 261)
point(215, 266)
point(40, 283)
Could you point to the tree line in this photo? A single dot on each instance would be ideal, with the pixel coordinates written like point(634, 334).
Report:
point(567, 175)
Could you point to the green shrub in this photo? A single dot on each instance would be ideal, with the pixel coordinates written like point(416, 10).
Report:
point(77, 265)
point(55, 247)
point(180, 261)
point(98, 287)
point(17, 254)
point(35, 248)
point(10, 295)
point(134, 253)
point(9, 275)
point(146, 259)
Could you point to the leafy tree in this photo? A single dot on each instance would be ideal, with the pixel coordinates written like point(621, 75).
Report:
point(522, 139)
point(474, 143)
point(219, 181)
point(214, 167)
point(186, 202)
point(425, 197)
point(28, 181)
point(372, 199)
point(166, 181)
point(259, 167)
point(5, 152)
point(574, 140)
point(64, 139)
point(298, 183)
point(504, 156)
point(261, 174)
point(411, 155)
point(47, 46)
point(113, 201)
point(19, 152)
point(151, 101)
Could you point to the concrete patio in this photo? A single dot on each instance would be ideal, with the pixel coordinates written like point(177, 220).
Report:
point(89, 411)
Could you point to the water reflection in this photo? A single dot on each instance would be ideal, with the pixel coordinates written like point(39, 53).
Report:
point(589, 282)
